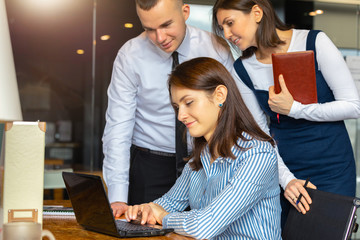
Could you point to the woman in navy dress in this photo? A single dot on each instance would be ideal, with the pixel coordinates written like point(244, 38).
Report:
point(312, 139)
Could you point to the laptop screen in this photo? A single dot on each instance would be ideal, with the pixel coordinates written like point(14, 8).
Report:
point(90, 203)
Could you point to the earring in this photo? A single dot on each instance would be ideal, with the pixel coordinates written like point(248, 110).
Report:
point(220, 105)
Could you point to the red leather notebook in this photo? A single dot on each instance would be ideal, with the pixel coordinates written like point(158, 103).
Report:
point(298, 69)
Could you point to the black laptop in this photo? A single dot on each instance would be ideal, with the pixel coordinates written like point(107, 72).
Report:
point(93, 212)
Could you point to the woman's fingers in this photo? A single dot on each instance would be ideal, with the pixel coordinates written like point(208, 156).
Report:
point(142, 213)
point(146, 213)
point(291, 197)
point(297, 195)
point(310, 185)
point(132, 213)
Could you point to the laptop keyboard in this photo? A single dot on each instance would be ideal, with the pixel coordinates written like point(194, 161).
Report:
point(131, 227)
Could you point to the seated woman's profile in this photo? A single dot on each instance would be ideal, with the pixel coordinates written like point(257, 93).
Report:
point(231, 180)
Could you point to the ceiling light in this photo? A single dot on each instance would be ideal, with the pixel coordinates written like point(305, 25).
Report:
point(80, 51)
point(128, 25)
point(105, 37)
point(319, 11)
point(312, 14)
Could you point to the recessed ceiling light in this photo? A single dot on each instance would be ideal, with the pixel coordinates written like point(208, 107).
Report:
point(105, 37)
point(316, 12)
point(80, 51)
point(128, 25)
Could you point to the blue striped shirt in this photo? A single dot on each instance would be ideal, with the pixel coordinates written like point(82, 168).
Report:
point(229, 199)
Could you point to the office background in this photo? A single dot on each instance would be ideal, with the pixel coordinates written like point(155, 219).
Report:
point(64, 52)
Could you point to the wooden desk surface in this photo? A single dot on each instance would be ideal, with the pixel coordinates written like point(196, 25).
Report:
point(68, 228)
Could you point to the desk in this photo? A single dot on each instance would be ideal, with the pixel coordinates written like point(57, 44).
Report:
point(68, 228)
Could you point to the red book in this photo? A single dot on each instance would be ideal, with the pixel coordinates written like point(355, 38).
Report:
point(298, 69)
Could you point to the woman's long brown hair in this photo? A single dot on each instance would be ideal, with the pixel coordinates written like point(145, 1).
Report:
point(234, 118)
point(266, 35)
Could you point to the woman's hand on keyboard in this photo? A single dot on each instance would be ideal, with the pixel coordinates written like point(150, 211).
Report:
point(119, 208)
point(150, 213)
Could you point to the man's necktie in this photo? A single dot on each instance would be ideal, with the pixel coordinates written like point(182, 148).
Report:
point(180, 136)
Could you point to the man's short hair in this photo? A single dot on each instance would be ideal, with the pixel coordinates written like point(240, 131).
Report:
point(148, 4)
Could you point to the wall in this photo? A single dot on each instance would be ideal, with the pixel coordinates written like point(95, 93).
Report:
point(339, 22)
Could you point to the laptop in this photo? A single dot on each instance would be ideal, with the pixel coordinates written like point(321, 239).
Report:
point(93, 211)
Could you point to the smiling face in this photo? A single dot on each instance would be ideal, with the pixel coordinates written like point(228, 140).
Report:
point(198, 110)
point(164, 24)
point(239, 27)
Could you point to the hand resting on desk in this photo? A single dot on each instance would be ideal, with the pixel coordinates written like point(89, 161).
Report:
point(119, 208)
point(292, 191)
point(150, 213)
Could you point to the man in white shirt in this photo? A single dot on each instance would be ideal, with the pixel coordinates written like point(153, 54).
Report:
point(139, 115)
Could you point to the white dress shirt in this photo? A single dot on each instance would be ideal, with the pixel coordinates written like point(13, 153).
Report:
point(139, 110)
point(336, 73)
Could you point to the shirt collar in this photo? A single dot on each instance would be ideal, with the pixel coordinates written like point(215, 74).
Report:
point(184, 47)
point(206, 156)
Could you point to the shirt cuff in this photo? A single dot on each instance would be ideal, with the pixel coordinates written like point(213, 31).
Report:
point(176, 220)
point(165, 221)
point(295, 109)
point(286, 180)
point(118, 193)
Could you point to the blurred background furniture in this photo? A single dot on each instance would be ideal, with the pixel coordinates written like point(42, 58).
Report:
point(54, 186)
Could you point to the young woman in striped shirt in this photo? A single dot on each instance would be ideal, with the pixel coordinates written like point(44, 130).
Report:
point(231, 180)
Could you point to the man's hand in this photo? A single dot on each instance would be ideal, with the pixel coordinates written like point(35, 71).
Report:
point(119, 208)
point(147, 213)
point(292, 192)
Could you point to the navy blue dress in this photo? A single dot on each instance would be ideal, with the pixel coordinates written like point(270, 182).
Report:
point(319, 150)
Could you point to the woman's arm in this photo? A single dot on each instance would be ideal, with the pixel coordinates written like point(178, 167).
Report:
point(251, 103)
point(177, 198)
point(292, 186)
point(250, 183)
point(338, 77)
